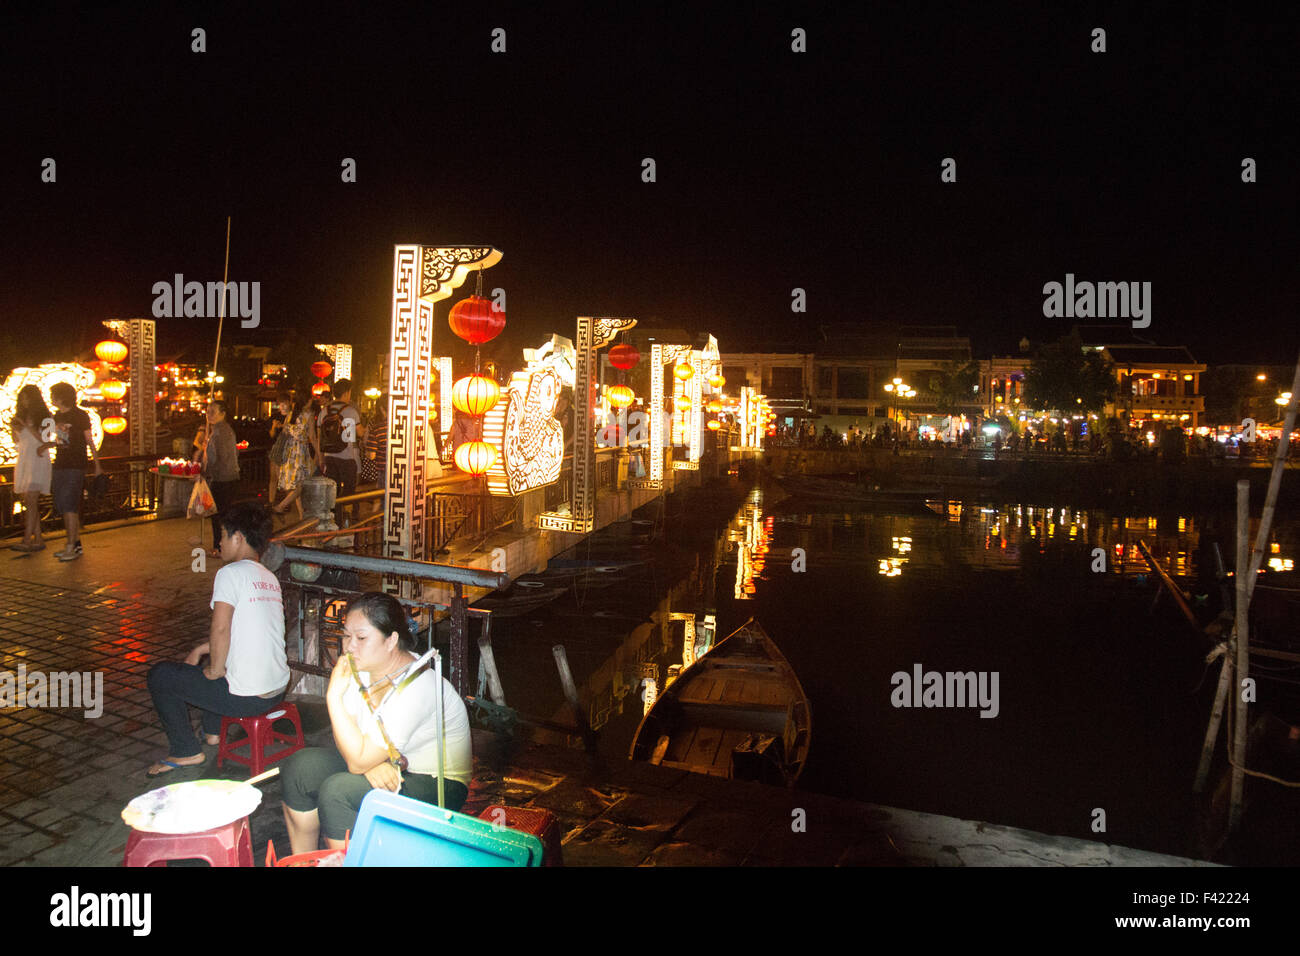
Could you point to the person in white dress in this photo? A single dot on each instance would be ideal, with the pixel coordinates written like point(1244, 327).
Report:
point(31, 426)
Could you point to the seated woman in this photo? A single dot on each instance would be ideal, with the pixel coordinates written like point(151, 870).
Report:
point(247, 670)
point(324, 786)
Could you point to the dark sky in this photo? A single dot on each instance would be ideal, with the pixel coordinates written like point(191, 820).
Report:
point(775, 169)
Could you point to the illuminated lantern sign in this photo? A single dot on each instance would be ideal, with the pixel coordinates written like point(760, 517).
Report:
point(78, 376)
point(523, 426)
point(475, 320)
point(111, 351)
point(475, 457)
point(115, 425)
point(475, 394)
point(620, 396)
point(113, 390)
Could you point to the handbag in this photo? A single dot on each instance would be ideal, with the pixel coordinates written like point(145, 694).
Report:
point(202, 504)
point(280, 448)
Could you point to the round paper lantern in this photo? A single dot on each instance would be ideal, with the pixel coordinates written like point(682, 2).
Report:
point(620, 396)
point(715, 406)
point(475, 394)
point(714, 424)
point(683, 371)
point(475, 321)
point(624, 356)
point(111, 351)
point(683, 403)
point(321, 369)
point(319, 387)
point(115, 425)
point(717, 381)
point(475, 457)
point(113, 390)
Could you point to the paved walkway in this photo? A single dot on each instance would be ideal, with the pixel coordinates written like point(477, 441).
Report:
point(133, 599)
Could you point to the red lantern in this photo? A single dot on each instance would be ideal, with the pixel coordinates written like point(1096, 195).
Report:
point(475, 320)
point(321, 369)
point(113, 390)
point(110, 351)
point(475, 457)
point(115, 425)
point(620, 396)
point(624, 356)
point(319, 388)
point(475, 394)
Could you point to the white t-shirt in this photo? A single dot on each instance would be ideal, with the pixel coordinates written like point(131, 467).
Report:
point(256, 663)
point(410, 719)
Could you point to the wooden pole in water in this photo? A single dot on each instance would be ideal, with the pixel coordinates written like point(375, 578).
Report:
point(1241, 645)
point(571, 695)
point(495, 690)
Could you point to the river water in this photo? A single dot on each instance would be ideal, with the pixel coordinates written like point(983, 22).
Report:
point(1101, 702)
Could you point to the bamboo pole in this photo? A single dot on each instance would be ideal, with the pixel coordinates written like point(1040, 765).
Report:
point(571, 695)
point(495, 691)
point(1241, 645)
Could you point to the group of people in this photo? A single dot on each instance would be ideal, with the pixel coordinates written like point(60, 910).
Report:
point(242, 670)
point(67, 432)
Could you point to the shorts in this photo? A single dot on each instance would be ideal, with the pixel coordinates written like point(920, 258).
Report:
point(66, 485)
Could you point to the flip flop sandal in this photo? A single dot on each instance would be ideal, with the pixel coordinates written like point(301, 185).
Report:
point(175, 766)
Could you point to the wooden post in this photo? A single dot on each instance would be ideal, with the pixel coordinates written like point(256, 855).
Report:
point(1216, 718)
point(571, 695)
point(495, 690)
point(1241, 640)
point(459, 648)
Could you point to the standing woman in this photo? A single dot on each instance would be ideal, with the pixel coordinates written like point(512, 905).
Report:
point(32, 417)
point(300, 453)
point(220, 467)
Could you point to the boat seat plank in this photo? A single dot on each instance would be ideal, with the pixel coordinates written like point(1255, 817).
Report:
point(705, 747)
point(681, 744)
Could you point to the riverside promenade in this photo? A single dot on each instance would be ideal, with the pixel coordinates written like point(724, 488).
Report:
point(134, 599)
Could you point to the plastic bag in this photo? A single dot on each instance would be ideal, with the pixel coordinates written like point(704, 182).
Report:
point(202, 503)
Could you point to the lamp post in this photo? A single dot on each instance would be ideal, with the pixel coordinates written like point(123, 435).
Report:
point(900, 389)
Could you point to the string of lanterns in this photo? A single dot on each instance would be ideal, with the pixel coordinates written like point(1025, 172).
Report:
point(112, 352)
point(476, 320)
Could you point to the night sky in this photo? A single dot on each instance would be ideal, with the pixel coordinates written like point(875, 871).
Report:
point(775, 169)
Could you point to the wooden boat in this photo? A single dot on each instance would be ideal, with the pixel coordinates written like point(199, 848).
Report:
point(737, 712)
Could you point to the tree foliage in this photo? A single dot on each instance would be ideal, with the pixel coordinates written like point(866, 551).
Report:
point(952, 386)
point(1065, 378)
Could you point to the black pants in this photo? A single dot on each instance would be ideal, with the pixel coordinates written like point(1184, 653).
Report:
point(317, 778)
point(344, 473)
point(175, 685)
point(223, 493)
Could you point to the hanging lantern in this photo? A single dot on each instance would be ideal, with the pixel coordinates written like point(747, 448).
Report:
point(321, 369)
point(475, 394)
point(475, 457)
point(475, 321)
point(111, 351)
point(714, 424)
point(319, 388)
point(624, 356)
point(620, 396)
point(113, 390)
point(716, 381)
point(715, 406)
point(683, 403)
point(683, 371)
point(115, 425)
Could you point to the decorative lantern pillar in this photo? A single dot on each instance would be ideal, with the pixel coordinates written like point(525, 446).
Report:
point(422, 275)
point(593, 333)
point(141, 412)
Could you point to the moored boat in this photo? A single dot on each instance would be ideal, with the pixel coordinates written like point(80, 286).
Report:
point(737, 712)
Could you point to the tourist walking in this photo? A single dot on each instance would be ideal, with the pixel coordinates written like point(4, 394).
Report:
point(72, 438)
point(299, 452)
point(31, 425)
point(340, 431)
point(220, 467)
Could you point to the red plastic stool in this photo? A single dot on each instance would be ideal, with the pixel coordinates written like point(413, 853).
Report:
point(229, 845)
point(539, 823)
point(261, 735)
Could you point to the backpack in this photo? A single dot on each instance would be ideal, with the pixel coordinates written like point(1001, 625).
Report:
point(331, 430)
